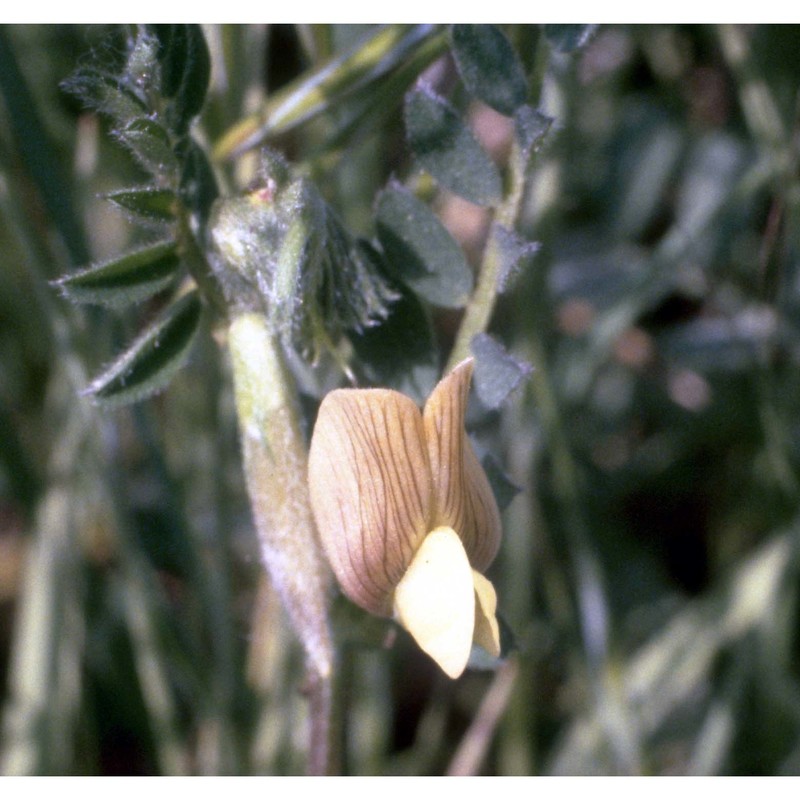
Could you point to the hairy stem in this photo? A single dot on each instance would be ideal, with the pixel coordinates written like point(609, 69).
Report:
point(478, 312)
point(275, 466)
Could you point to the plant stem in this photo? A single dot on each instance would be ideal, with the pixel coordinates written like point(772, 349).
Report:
point(478, 312)
point(275, 465)
point(471, 753)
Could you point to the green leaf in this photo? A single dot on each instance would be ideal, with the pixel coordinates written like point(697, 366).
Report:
point(122, 281)
point(401, 352)
point(530, 129)
point(150, 144)
point(135, 126)
point(445, 147)
point(185, 71)
point(512, 251)
point(566, 38)
point(651, 153)
point(497, 372)
point(489, 66)
point(198, 185)
point(149, 203)
point(419, 250)
point(153, 358)
point(104, 93)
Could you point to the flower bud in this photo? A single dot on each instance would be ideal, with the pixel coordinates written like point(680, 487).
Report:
point(281, 250)
point(406, 515)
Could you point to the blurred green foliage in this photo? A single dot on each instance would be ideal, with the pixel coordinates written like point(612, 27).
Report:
point(649, 570)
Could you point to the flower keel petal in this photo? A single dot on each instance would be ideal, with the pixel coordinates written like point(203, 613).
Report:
point(435, 600)
point(487, 629)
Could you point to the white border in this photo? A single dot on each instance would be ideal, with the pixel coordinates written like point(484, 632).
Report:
point(599, 788)
point(409, 11)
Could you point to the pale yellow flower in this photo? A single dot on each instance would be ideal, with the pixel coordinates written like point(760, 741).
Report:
point(406, 515)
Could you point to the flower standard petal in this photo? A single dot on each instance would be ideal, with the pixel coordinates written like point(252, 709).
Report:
point(435, 600)
point(464, 499)
point(371, 490)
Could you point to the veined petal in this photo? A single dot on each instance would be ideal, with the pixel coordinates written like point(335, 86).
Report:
point(487, 629)
point(463, 498)
point(371, 490)
point(435, 600)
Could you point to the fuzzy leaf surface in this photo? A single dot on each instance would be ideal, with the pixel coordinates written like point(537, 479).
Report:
point(530, 129)
point(400, 352)
point(420, 251)
point(149, 203)
point(513, 252)
point(153, 358)
point(104, 93)
point(198, 186)
point(489, 66)
point(497, 372)
point(445, 147)
point(185, 71)
point(121, 281)
point(150, 145)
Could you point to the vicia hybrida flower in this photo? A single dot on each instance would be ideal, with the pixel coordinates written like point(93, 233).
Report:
point(406, 515)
